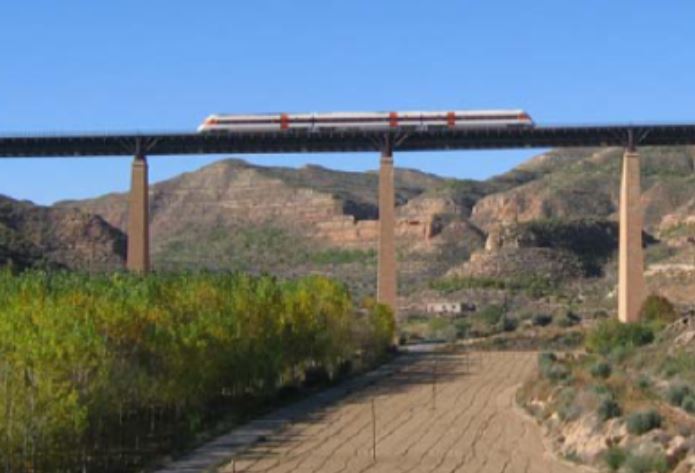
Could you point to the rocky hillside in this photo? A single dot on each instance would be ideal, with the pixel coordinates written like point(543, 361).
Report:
point(35, 236)
point(585, 183)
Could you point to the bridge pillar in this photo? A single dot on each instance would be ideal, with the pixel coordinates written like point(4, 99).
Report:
point(138, 258)
point(386, 277)
point(631, 287)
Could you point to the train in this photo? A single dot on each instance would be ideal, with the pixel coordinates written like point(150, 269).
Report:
point(273, 122)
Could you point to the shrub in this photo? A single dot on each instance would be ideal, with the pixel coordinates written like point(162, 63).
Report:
point(677, 393)
point(601, 370)
point(611, 334)
point(550, 368)
point(614, 457)
point(492, 314)
point(688, 404)
point(608, 409)
point(508, 324)
point(646, 463)
point(567, 409)
point(678, 363)
point(315, 376)
point(658, 309)
point(546, 357)
point(462, 327)
point(541, 320)
point(642, 422)
point(570, 319)
point(558, 372)
point(546, 360)
point(644, 382)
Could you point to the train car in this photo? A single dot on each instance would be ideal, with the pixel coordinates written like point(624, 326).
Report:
point(274, 122)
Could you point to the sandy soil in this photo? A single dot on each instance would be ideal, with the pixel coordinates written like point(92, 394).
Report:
point(466, 421)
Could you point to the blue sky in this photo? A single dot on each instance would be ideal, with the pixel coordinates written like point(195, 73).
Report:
point(164, 64)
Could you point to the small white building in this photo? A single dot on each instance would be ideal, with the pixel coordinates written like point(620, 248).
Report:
point(444, 308)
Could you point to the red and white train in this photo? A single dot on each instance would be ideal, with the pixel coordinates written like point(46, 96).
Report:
point(366, 120)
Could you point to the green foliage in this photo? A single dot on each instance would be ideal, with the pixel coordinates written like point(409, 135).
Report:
point(608, 408)
point(648, 463)
point(566, 408)
point(570, 319)
point(462, 327)
point(551, 368)
point(614, 457)
point(677, 393)
point(644, 382)
point(492, 314)
point(688, 403)
point(508, 324)
point(611, 334)
point(679, 364)
point(343, 256)
point(453, 284)
point(542, 320)
point(534, 286)
point(442, 328)
point(658, 309)
point(546, 359)
point(601, 370)
point(86, 361)
point(642, 422)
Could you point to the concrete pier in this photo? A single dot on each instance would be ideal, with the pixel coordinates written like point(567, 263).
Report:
point(138, 259)
point(631, 287)
point(386, 277)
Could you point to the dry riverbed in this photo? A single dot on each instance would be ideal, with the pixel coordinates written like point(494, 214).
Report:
point(438, 413)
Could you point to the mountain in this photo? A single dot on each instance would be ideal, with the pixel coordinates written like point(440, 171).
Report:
point(44, 237)
point(554, 216)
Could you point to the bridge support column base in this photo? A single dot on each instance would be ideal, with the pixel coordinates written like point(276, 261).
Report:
point(631, 286)
point(138, 258)
point(386, 277)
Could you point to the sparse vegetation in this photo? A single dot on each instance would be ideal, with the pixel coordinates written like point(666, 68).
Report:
point(614, 457)
point(642, 422)
point(624, 378)
point(611, 334)
point(508, 324)
point(676, 394)
point(542, 320)
point(646, 463)
point(601, 370)
point(658, 309)
point(533, 286)
point(492, 314)
point(342, 256)
point(608, 409)
point(551, 368)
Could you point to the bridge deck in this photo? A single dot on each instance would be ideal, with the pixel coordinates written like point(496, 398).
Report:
point(299, 141)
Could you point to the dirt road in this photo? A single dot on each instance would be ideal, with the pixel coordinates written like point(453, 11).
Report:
point(439, 413)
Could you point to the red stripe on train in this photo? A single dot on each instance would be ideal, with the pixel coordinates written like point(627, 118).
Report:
point(451, 119)
point(393, 119)
point(284, 121)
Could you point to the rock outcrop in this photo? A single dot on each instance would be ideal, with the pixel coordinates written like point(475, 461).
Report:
point(35, 236)
point(551, 249)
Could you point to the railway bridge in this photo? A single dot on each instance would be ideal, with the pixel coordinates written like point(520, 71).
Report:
point(631, 290)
